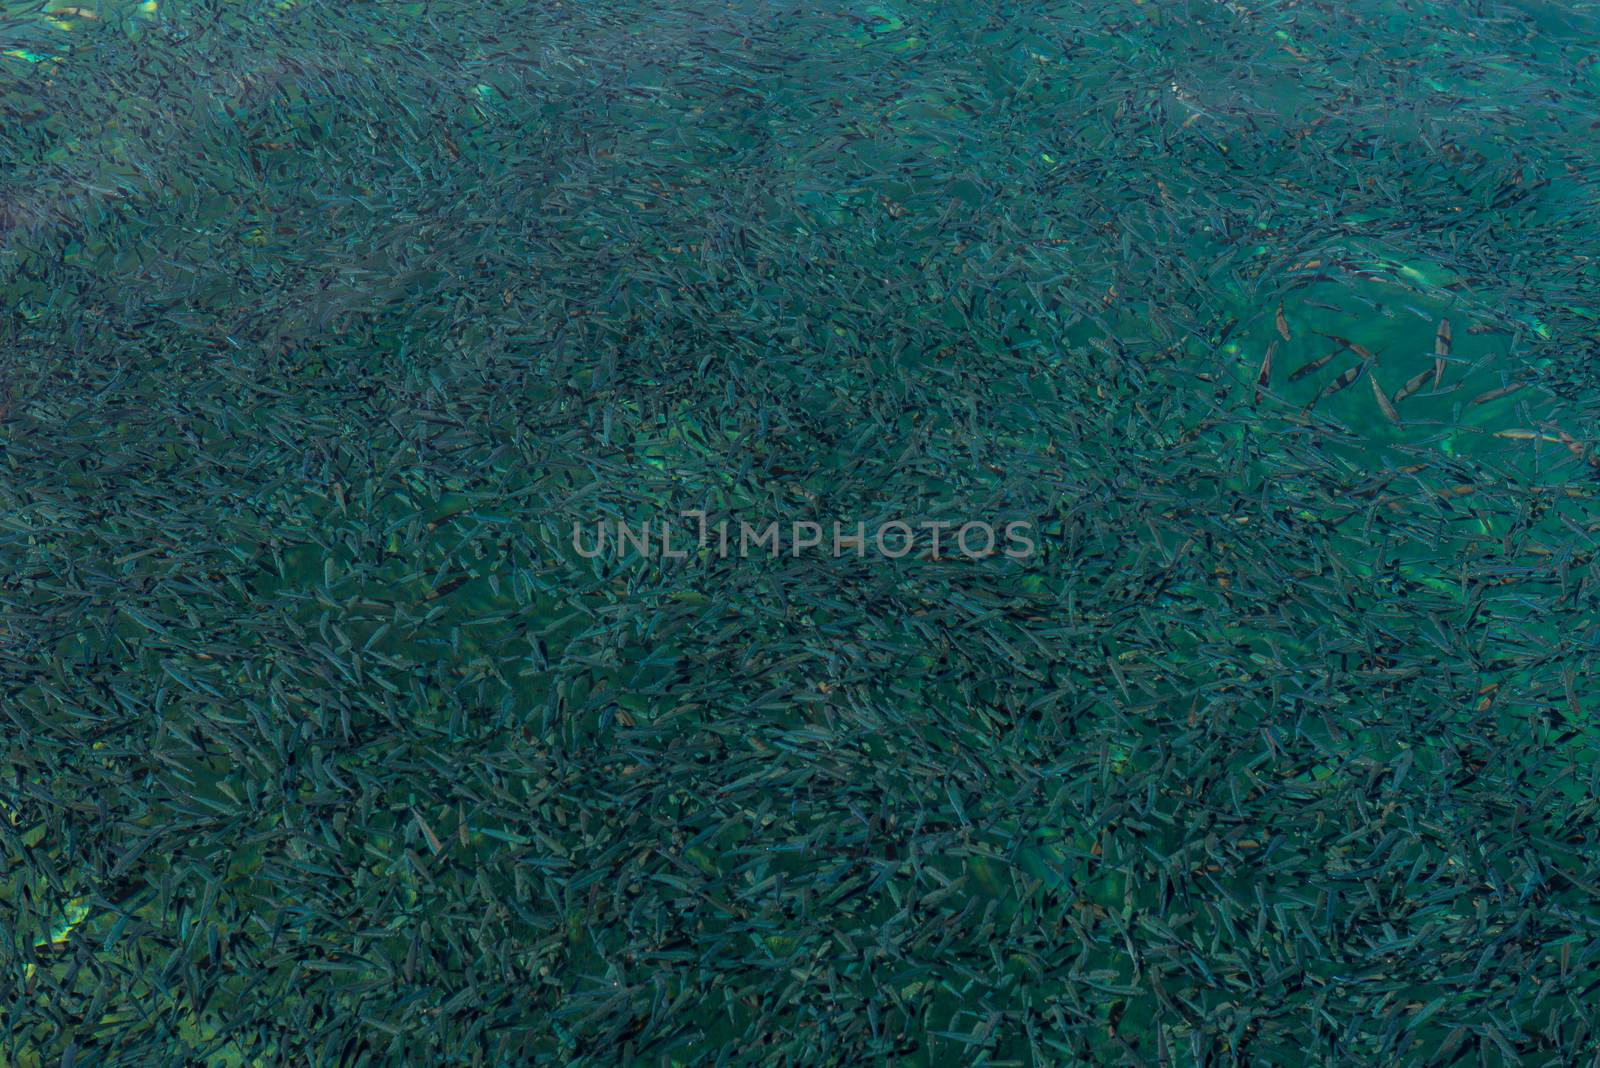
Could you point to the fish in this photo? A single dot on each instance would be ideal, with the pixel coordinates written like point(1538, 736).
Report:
point(1531, 435)
point(1282, 324)
point(1441, 349)
point(1311, 368)
point(1412, 386)
point(1265, 373)
point(1360, 350)
point(1343, 382)
point(427, 832)
point(447, 587)
point(1383, 400)
point(1496, 394)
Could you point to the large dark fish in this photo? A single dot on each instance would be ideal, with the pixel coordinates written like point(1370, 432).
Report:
point(1383, 399)
point(1359, 350)
point(1315, 365)
point(1412, 386)
point(1496, 394)
point(1441, 349)
point(1265, 374)
point(1343, 382)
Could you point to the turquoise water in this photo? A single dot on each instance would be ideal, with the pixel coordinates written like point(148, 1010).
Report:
point(323, 326)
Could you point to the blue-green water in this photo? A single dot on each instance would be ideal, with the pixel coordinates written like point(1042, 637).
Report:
point(321, 742)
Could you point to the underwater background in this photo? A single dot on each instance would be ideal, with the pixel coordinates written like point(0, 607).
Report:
point(322, 325)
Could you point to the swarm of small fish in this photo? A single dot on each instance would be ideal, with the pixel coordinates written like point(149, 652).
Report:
point(323, 325)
